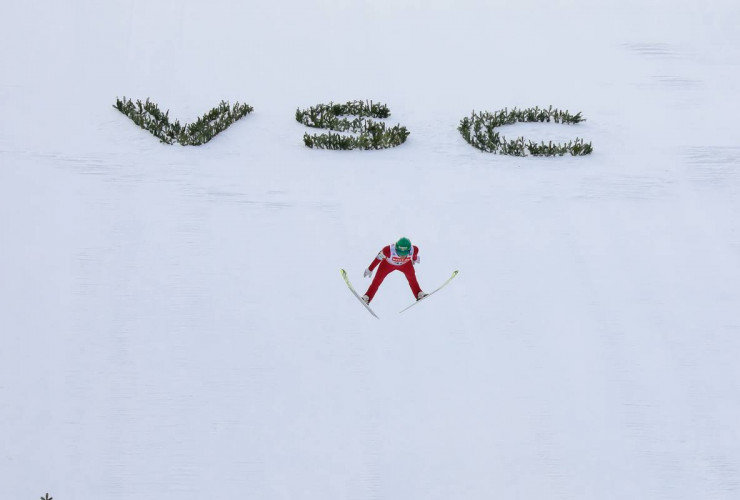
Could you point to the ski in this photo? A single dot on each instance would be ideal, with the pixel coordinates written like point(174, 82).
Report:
point(351, 289)
point(431, 293)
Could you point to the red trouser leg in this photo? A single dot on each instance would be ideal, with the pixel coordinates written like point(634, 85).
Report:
point(410, 272)
point(383, 269)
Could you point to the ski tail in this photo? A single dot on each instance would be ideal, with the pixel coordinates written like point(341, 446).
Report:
point(352, 289)
point(432, 292)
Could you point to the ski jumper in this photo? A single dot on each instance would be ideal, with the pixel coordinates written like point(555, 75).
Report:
point(388, 261)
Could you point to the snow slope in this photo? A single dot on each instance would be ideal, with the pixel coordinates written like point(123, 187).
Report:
point(174, 325)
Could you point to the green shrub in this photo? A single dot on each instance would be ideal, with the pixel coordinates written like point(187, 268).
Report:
point(149, 117)
point(372, 134)
point(479, 131)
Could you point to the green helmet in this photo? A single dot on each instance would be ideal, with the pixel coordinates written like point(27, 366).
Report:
point(403, 247)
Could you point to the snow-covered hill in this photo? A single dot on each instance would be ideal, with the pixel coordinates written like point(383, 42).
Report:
point(174, 325)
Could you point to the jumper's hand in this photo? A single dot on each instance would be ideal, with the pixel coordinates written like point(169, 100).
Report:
point(367, 273)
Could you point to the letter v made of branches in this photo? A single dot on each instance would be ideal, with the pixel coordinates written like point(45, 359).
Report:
point(148, 116)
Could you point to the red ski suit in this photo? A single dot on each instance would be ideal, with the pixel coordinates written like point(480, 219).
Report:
point(390, 261)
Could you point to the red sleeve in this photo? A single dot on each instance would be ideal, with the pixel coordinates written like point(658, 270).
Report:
point(416, 253)
point(384, 253)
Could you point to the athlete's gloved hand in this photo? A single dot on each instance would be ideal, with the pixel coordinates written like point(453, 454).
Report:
point(367, 273)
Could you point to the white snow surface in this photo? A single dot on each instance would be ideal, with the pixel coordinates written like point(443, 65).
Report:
point(173, 321)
